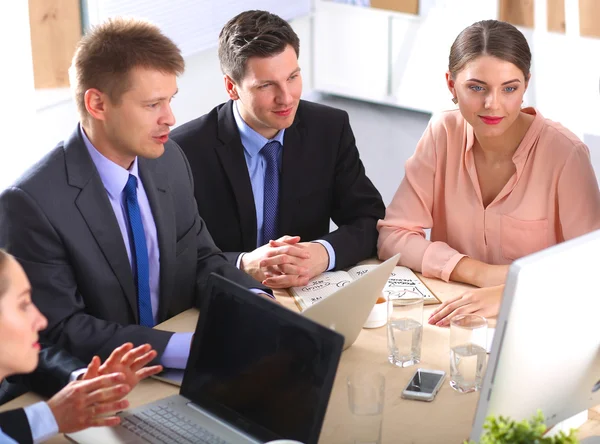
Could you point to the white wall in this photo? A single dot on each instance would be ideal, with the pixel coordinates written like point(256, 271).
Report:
point(565, 72)
point(16, 78)
point(53, 113)
point(400, 59)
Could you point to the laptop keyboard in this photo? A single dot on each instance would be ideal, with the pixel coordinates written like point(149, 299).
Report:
point(163, 425)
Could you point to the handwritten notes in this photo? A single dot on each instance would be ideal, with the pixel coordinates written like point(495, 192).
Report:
point(403, 283)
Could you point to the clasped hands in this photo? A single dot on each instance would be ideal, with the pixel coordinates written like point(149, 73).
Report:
point(285, 262)
point(93, 399)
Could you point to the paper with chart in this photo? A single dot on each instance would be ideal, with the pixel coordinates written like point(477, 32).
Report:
point(403, 283)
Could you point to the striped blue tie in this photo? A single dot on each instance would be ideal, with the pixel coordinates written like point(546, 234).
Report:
point(139, 253)
point(270, 153)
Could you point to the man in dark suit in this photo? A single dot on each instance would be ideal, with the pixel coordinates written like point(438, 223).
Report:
point(271, 170)
point(106, 226)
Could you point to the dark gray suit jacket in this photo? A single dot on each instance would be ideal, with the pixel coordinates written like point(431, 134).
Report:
point(59, 224)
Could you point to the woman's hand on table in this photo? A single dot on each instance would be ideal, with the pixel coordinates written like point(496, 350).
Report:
point(482, 301)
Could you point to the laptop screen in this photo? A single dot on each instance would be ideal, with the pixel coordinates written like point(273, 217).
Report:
point(261, 367)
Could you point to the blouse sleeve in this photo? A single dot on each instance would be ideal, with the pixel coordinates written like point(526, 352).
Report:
point(578, 195)
point(410, 213)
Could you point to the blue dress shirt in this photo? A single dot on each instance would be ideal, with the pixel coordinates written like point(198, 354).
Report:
point(41, 422)
point(114, 178)
point(5, 439)
point(253, 143)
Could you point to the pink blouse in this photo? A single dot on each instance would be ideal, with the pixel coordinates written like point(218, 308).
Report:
point(553, 196)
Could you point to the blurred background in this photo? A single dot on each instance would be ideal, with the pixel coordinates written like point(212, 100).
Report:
point(383, 61)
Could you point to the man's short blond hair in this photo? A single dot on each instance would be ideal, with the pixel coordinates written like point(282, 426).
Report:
point(108, 52)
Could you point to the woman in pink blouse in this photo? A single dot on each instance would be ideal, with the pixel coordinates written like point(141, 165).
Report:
point(494, 182)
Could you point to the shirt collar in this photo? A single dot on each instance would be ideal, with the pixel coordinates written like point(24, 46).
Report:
point(251, 140)
point(114, 177)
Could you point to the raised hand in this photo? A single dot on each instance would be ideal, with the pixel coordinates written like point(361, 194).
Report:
point(82, 404)
point(129, 361)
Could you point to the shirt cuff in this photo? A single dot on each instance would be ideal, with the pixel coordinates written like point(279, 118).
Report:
point(238, 261)
point(330, 252)
point(41, 421)
point(451, 265)
point(259, 291)
point(177, 351)
point(76, 374)
point(440, 260)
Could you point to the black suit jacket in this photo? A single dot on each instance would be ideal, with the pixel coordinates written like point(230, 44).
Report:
point(59, 224)
point(322, 178)
point(14, 423)
point(51, 375)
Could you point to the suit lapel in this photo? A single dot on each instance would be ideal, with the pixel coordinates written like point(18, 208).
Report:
point(293, 173)
point(97, 211)
point(231, 155)
point(161, 203)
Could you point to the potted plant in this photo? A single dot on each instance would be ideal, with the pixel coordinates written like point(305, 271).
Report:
point(500, 430)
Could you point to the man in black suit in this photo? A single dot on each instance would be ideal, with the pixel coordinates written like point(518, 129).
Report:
point(271, 169)
point(105, 225)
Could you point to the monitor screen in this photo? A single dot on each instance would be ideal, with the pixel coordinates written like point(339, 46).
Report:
point(261, 367)
point(546, 350)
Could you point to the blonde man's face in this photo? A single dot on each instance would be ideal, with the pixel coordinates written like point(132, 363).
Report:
point(139, 124)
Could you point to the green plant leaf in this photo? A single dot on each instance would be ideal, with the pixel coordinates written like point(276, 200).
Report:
point(503, 430)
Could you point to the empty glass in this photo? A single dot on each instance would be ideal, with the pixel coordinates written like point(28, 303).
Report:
point(366, 392)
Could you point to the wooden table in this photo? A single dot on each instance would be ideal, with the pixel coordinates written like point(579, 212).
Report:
point(448, 419)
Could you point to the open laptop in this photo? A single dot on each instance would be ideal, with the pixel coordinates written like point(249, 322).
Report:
point(346, 310)
point(257, 372)
point(546, 348)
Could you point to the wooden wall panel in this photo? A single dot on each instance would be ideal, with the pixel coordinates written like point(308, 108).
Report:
point(55, 31)
point(589, 18)
point(556, 15)
point(517, 12)
point(408, 6)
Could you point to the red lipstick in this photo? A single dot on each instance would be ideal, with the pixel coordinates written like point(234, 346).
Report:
point(491, 120)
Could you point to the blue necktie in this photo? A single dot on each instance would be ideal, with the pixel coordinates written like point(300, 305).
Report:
point(139, 253)
point(270, 153)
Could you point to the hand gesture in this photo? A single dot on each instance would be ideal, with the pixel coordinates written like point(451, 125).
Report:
point(129, 361)
point(82, 404)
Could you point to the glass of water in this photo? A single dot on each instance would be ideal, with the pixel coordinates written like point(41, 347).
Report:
point(405, 329)
point(366, 392)
point(468, 338)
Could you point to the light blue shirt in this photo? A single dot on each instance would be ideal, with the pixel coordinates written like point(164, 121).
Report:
point(253, 143)
point(41, 422)
point(5, 439)
point(114, 178)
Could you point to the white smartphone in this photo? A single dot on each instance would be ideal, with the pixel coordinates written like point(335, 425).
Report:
point(424, 384)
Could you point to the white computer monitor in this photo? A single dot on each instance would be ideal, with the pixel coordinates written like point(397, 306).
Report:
point(546, 348)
